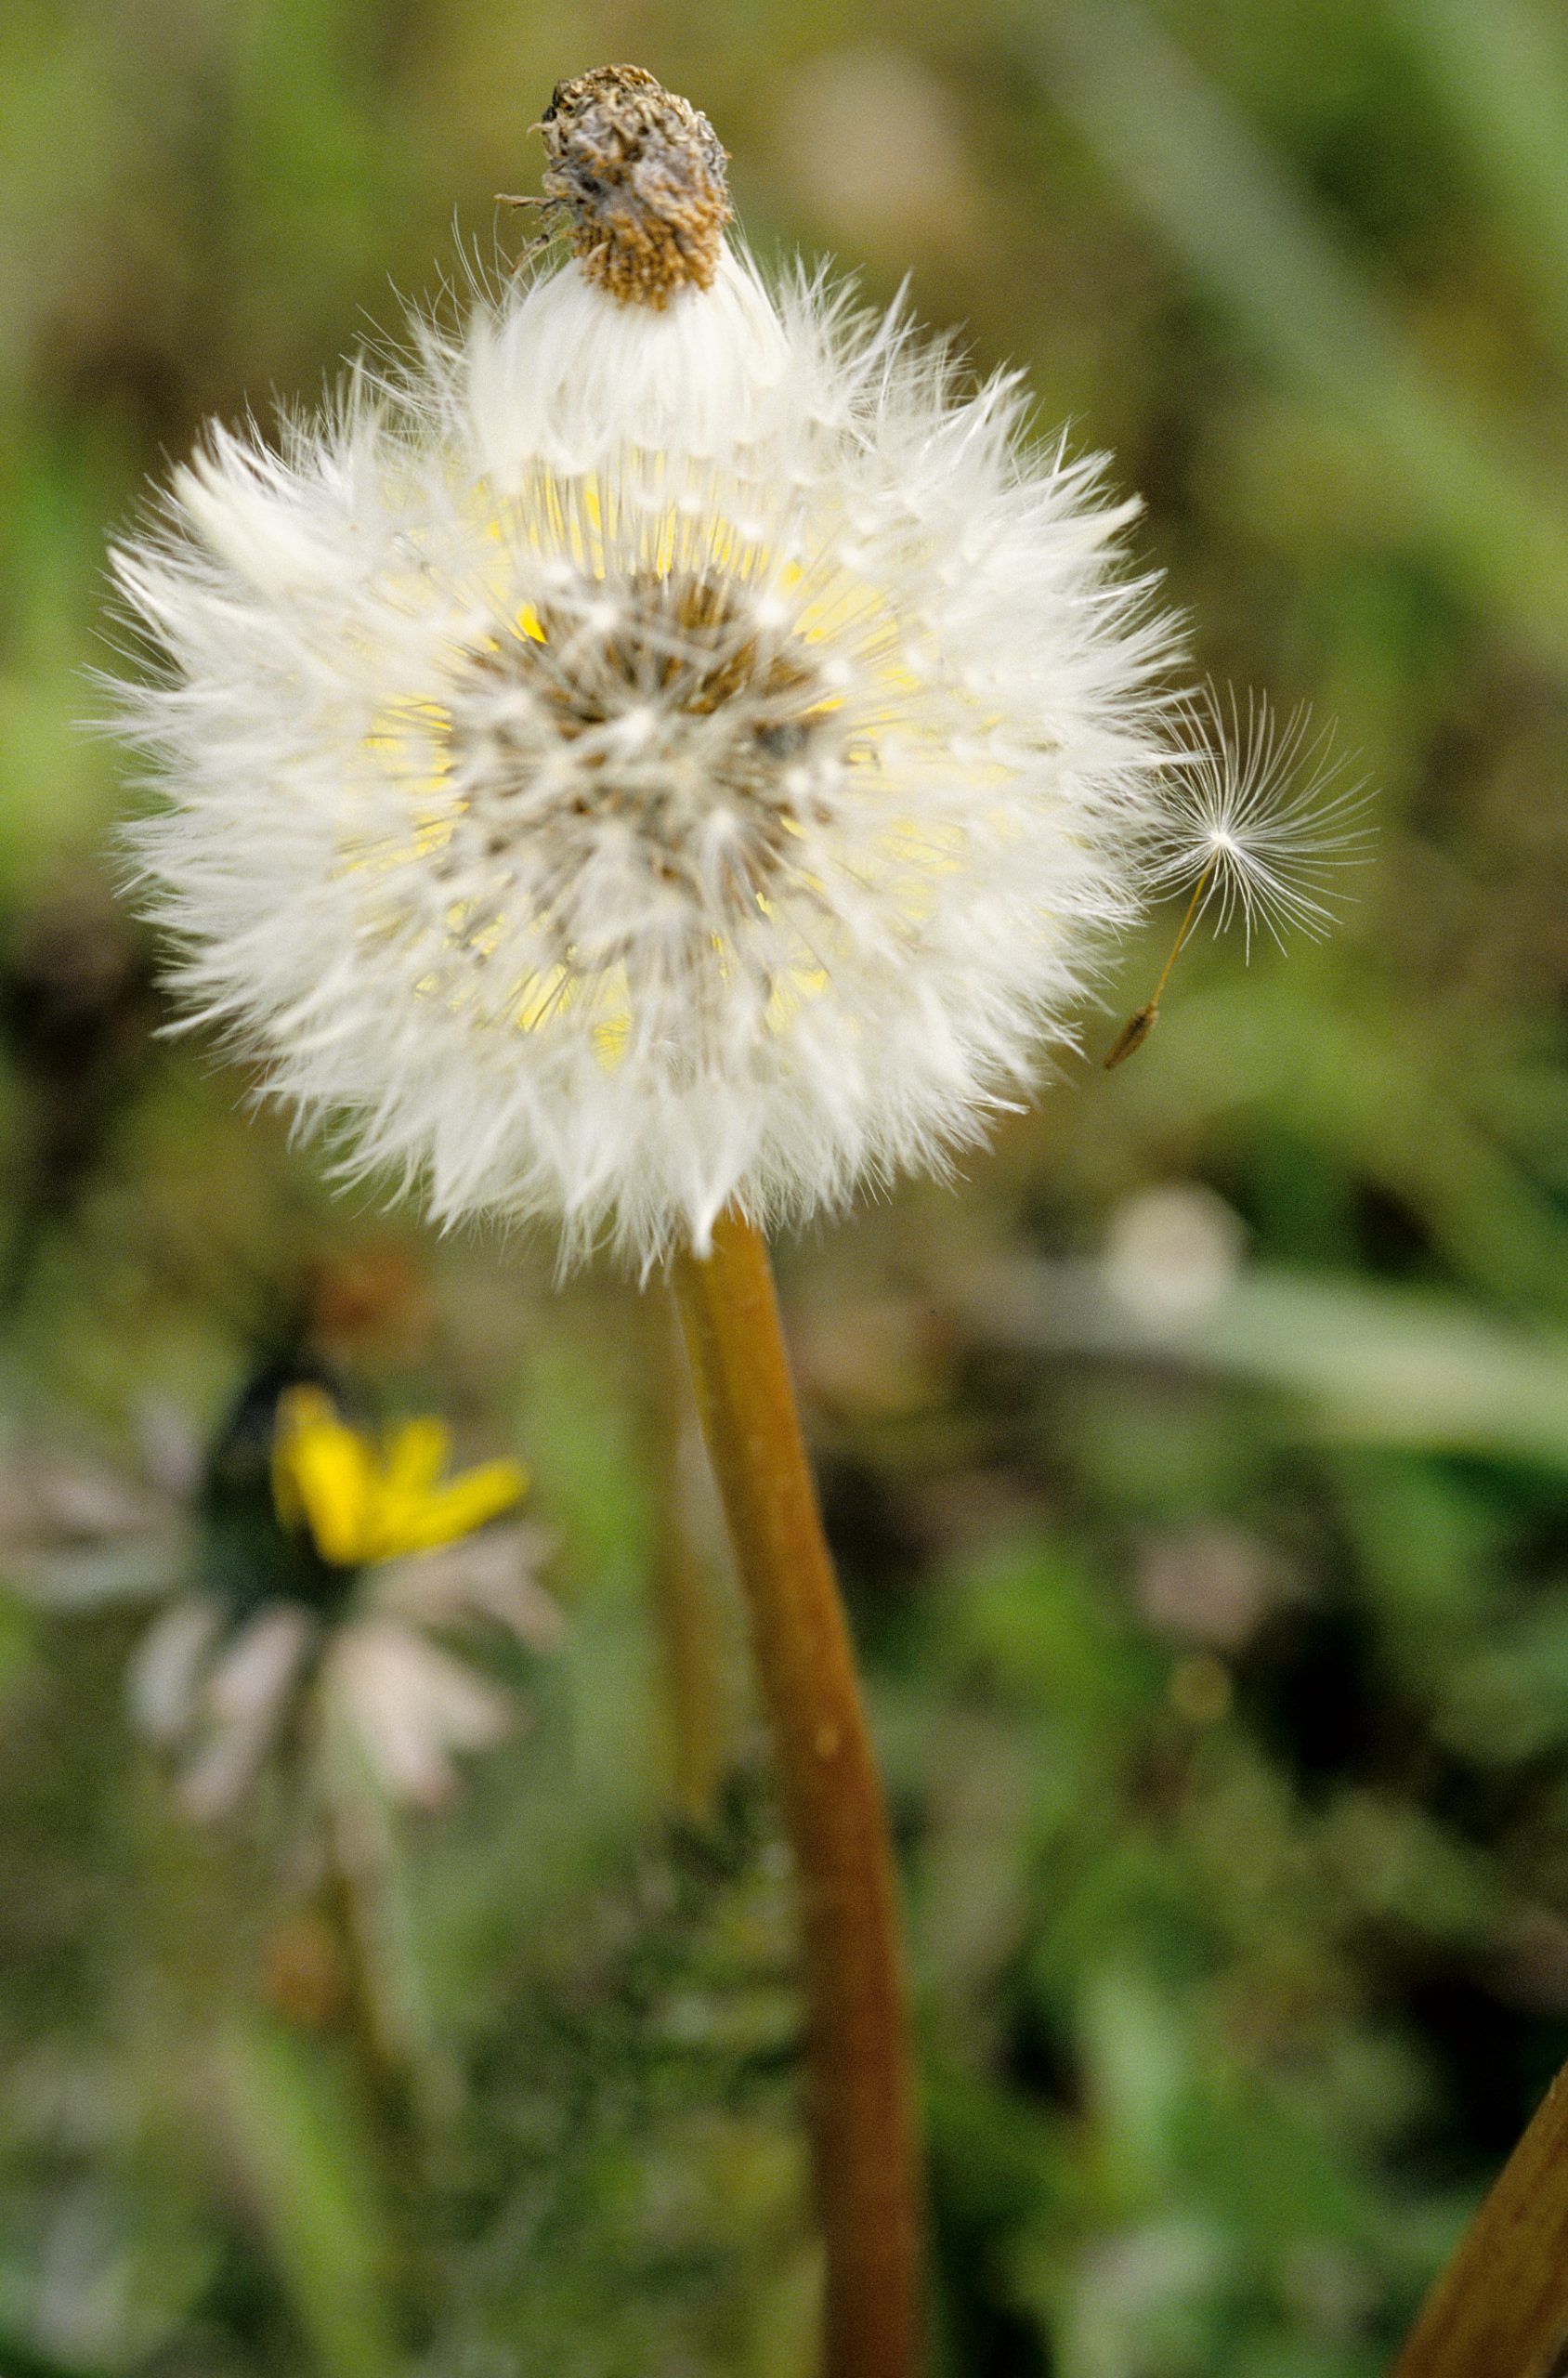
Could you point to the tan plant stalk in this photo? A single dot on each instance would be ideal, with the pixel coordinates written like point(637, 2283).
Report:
point(858, 2073)
point(1500, 2309)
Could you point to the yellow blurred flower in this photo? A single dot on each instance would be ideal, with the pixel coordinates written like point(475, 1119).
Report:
point(362, 1505)
point(339, 1580)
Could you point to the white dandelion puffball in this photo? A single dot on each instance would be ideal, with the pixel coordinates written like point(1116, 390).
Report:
point(668, 744)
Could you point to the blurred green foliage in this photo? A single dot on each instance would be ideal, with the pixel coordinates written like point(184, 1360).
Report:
point(1218, 1648)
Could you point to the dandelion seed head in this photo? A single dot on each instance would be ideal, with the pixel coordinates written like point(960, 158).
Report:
point(624, 759)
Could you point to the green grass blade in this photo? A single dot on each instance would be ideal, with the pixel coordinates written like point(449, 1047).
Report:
point(310, 2173)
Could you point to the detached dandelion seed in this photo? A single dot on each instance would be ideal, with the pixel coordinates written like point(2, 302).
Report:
point(1257, 820)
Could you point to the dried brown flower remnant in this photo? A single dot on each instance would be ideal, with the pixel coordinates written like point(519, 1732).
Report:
point(641, 175)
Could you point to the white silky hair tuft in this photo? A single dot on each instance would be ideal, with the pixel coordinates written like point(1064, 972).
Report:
point(1260, 816)
point(624, 761)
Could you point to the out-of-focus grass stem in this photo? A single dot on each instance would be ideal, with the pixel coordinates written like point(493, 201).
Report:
point(691, 1652)
point(307, 2169)
point(379, 2037)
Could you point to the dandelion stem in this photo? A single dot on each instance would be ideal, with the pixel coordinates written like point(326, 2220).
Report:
point(862, 2116)
point(1500, 2309)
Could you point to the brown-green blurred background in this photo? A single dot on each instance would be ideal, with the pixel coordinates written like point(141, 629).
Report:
point(1198, 1465)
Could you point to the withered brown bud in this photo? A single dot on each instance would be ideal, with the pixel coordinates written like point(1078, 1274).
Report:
point(639, 174)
